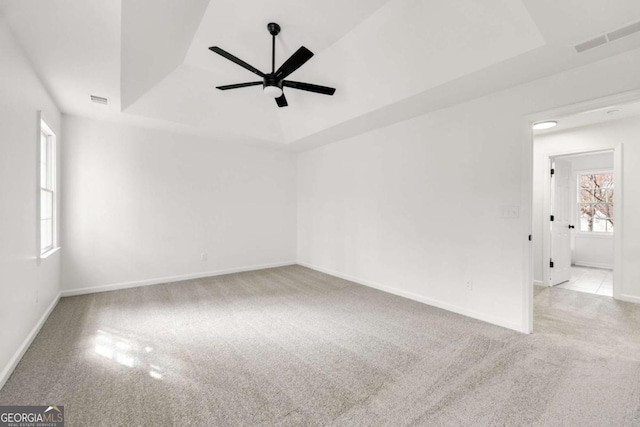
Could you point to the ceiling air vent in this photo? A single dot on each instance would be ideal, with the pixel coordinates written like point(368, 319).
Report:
point(590, 44)
point(624, 32)
point(609, 37)
point(99, 100)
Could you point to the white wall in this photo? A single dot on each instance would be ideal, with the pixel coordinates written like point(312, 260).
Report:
point(143, 205)
point(22, 280)
point(592, 251)
point(416, 207)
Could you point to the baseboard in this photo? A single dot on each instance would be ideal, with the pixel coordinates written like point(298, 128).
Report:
point(539, 283)
point(629, 298)
point(416, 297)
point(160, 280)
point(592, 265)
point(17, 356)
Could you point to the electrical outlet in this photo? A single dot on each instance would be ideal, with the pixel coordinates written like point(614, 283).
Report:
point(469, 285)
point(204, 256)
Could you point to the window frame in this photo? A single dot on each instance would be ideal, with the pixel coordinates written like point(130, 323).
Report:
point(49, 186)
point(578, 202)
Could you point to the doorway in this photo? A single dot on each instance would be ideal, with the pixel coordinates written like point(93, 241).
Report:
point(569, 231)
point(581, 222)
point(594, 114)
point(574, 227)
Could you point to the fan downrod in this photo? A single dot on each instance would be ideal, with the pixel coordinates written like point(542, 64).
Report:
point(274, 29)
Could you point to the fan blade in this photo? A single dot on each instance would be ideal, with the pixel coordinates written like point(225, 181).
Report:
point(238, 85)
point(309, 87)
point(238, 61)
point(282, 101)
point(294, 62)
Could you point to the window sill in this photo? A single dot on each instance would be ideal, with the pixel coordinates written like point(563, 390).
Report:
point(47, 254)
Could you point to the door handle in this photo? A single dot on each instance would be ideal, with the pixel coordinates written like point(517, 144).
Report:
point(572, 227)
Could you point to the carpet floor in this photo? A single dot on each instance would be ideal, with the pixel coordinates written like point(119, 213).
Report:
point(293, 347)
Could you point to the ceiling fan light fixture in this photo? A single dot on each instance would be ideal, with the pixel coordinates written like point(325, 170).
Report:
point(273, 91)
point(273, 82)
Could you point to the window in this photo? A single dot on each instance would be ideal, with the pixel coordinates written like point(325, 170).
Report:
point(47, 220)
point(595, 202)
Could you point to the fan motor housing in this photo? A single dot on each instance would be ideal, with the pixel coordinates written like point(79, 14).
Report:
point(270, 80)
point(271, 86)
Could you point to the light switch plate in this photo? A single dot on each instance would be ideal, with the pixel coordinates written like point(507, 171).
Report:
point(510, 212)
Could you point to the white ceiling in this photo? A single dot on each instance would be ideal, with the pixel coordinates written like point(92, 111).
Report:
point(74, 47)
point(388, 59)
point(592, 117)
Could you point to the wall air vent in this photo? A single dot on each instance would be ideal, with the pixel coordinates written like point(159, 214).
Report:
point(99, 100)
point(609, 37)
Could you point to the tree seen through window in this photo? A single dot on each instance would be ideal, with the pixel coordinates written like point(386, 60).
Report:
point(595, 202)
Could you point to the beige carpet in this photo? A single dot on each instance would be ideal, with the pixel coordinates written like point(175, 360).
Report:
point(293, 347)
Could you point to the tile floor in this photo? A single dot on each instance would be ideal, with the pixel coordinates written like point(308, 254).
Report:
point(591, 280)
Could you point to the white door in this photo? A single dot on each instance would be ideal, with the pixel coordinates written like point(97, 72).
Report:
point(560, 263)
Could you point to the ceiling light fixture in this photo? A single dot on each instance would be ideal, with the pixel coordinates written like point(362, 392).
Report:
point(273, 83)
point(273, 91)
point(545, 125)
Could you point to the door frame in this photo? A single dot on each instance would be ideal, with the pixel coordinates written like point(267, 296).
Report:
point(527, 193)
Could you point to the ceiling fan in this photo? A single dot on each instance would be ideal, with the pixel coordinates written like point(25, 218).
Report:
point(274, 82)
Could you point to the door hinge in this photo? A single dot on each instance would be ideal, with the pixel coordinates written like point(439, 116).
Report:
point(530, 237)
point(551, 263)
point(552, 218)
point(553, 171)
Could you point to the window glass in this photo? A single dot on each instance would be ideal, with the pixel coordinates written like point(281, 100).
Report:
point(595, 202)
point(47, 189)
